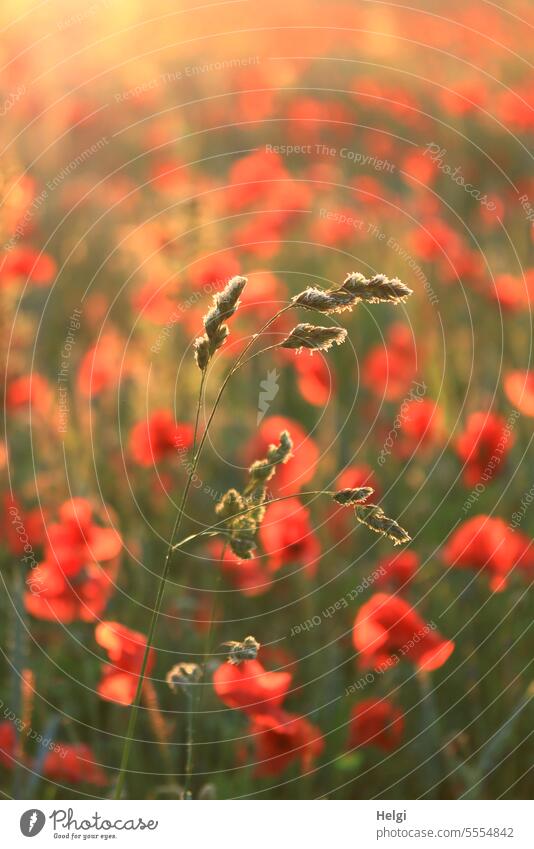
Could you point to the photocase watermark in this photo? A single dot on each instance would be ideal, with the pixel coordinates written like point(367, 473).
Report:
point(393, 659)
point(519, 515)
point(268, 391)
point(492, 463)
point(355, 156)
point(188, 72)
point(340, 604)
point(416, 394)
point(11, 99)
point(64, 370)
point(35, 580)
point(437, 155)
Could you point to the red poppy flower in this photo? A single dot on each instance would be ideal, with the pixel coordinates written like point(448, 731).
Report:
point(315, 380)
point(250, 687)
point(509, 292)
point(483, 447)
point(250, 577)
point(100, 368)
point(153, 301)
point(519, 388)
point(251, 177)
point(466, 97)
point(421, 427)
point(77, 540)
point(342, 226)
point(75, 764)
point(8, 744)
point(376, 722)
point(488, 544)
point(213, 272)
point(159, 437)
point(281, 738)
point(287, 536)
point(388, 371)
point(397, 570)
point(27, 264)
point(22, 527)
point(387, 628)
point(125, 650)
point(30, 390)
point(83, 597)
point(300, 469)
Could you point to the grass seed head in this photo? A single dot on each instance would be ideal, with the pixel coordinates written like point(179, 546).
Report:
point(314, 338)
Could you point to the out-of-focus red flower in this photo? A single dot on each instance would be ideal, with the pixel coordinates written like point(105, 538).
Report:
point(315, 381)
point(387, 628)
point(300, 469)
point(515, 108)
point(169, 175)
point(466, 97)
point(288, 538)
point(153, 302)
point(100, 368)
point(397, 570)
point(388, 371)
point(125, 650)
point(519, 389)
point(159, 437)
point(214, 271)
point(8, 742)
point(75, 764)
point(421, 427)
point(488, 544)
point(23, 527)
point(30, 390)
point(250, 577)
point(483, 446)
point(76, 539)
point(250, 687)
point(376, 722)
point(511, 293)
point(281, 738)
point(252, 176)
point(341, 226)
point(27, 264)
point(340, 519)
point(53, 596)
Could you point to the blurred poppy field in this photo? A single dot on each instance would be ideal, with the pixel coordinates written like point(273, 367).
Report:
point(152, 159)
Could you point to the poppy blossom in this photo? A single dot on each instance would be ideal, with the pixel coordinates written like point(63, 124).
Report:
point(315, 381)
point(519, 389)
point(388, 371)
point(159, 437)
point(125, 650)
point(53, 596)
point(75, 764)
point(8, 743)
point(288, 538)
point(23, 527)
point(28, 264)
point(387, 628)
point(376, 722)
point(483, 447)
point(30, 390)
point(488, 544)
point(101, 366)
point(397, 570)
point(76, 539)
point(250, 687)
point(250, 577)
point(213, 272)
point(251, 177)
point(421, 427)
point(300, 468)
point(281, 738)
point(153, 301)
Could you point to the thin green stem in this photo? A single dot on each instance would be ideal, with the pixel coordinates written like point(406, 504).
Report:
point(134, 710)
